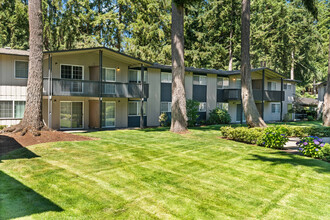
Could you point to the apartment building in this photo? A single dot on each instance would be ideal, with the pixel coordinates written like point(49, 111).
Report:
point(100, 87)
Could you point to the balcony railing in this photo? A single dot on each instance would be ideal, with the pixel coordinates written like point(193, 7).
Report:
point(225, 95)
point(86, 88)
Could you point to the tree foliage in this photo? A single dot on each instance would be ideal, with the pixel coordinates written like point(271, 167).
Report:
point(142, 28)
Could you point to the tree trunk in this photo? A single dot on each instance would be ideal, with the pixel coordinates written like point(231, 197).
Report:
point(230, 66)
point(32, 120)
point(326, 107)
point(179, 115)
point(292, 65)
point(118, 31)
point(252, 115)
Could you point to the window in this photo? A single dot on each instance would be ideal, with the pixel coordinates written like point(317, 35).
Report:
point(21, 69)
point(222, 82)
point(71, 115)
point(199, 80)
point(19, 109)
point(222, 105)
point(271, 85)
point(12, 109)
point(135, 76)
point(165, 106)
point(289, 86)
point(202, 107)
point(166, 77)
point(134, 108)
point(6, 109)
point(71, 72)
point(285, 86)
point(236, 83)
point(109, 74)
point(275, 108)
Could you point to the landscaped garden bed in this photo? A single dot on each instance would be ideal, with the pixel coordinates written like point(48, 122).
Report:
point(277, 136)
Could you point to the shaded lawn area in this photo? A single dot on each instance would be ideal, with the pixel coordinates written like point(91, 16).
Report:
point(157, 174)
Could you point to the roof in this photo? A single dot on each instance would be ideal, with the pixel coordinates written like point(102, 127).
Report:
point(136, 62)
point(307, 101)
point(122, 56)
point(268, 72)
point(191, 69)
point(9, 51)
point(321, 84)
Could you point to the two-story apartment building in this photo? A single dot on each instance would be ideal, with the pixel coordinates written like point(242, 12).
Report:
point(100, 87)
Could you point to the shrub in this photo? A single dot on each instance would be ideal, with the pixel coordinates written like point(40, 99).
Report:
point(274, 137)
point(163, 120)
point(310, 118)
point(242, 134)
point(310, 146)
point(2, 127)
point(219, 116)
point(325, 152)
point(192, 112)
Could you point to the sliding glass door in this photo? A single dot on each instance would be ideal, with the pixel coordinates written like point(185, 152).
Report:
point(109, 114)
point(71, 115)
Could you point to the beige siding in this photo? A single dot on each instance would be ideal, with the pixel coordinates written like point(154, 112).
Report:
point(7, 70)
point(211, 93)
point(86, 60)
point(153, 105)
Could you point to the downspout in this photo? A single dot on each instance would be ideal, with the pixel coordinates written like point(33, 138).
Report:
point(100, 85)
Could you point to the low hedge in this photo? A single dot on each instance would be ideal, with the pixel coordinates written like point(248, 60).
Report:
point(243, 134)
point(2, 127)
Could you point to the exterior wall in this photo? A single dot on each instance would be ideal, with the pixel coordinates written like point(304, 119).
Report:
point(268, 115)
point(153, 104)
point(86, 60)
point(11, 88)
point(56, 110)
point(211, 101)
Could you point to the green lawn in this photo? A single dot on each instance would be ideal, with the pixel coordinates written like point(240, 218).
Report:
point(134, 174)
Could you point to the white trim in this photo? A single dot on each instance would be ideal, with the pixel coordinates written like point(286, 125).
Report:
point(199, 80)
point(27, 61)
point(115, 115)
point(83, 115)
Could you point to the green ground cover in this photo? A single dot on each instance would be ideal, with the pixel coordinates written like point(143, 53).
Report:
point(152, 173)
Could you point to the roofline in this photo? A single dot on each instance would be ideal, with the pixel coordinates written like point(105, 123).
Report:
point(14, 54)
point(98, 48)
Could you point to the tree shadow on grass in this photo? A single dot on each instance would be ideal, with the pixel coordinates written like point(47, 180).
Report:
point(18, 200)
point(11, 149)
point(278, 158)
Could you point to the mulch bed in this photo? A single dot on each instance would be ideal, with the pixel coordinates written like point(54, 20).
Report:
point(13, 141)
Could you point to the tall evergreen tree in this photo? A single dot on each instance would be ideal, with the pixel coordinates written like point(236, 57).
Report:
point(32, 119)
point(252, 116)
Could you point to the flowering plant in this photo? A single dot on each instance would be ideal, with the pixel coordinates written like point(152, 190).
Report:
point(274, 137)
point(310, 146)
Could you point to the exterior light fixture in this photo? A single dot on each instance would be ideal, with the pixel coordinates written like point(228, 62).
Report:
point(118, 69)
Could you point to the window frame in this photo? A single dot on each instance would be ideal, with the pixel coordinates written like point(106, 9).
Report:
point(83, 115)
point(26, 61)
point(72, 65)
point(223, 86)
point(167, 73)
point(13, 110)
point(137, 108)
point(199, 109)
point(169, 107)
point(103, 78)
point(199, 81)
point(222, 103)
point(279, 108)
point(146, 79)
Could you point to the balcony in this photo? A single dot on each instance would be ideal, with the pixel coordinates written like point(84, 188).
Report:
point(87, 88)
point(225, 95)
